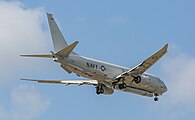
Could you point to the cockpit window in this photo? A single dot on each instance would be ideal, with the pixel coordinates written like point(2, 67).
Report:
point(160, 81)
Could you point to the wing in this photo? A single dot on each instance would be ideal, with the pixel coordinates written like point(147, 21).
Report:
point(145, 65)
point(66, 82)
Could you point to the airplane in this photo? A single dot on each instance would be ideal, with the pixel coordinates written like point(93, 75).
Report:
point(106, 77)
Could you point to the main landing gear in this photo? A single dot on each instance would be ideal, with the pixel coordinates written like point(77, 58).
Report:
point(99, 89)
point(137, 79)
point(122, 86)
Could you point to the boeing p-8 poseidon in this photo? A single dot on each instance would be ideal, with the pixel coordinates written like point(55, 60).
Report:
point(104, 76)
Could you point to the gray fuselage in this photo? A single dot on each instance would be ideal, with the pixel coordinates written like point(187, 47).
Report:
point(105, 72)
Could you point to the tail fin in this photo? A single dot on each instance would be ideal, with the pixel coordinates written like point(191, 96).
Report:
point(57, 37)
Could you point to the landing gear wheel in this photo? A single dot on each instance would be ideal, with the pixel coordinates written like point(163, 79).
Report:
point(156, 99)
point(137, 79)
point(122, 86)
point(99, 89)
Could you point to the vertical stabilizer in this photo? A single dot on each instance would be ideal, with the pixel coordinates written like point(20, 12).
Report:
point(57, 37)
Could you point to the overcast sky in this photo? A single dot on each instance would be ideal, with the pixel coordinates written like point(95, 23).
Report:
point(121, 32)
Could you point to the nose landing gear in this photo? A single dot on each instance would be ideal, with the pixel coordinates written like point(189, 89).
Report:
point(156, 97)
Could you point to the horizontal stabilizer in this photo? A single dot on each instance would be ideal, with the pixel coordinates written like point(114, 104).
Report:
point(66, 82)
point(67, 50)
point(41, 56)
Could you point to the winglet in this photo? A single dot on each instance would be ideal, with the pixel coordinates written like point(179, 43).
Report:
point(166, 47)
point(67, 50)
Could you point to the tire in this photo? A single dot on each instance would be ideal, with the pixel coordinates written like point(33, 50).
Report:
point(120, 86)
point(97, 91)
point(124, 85)
point(101, 91)
point(156, 99)
point(137, 79)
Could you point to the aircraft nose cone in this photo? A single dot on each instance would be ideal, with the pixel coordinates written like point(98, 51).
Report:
point(165, 88)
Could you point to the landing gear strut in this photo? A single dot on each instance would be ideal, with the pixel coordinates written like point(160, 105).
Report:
point(99, 89)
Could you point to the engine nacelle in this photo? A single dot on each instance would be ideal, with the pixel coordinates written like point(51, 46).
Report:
point(107, 90)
